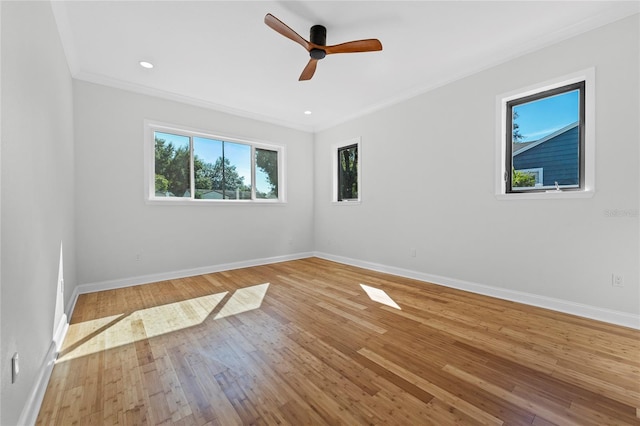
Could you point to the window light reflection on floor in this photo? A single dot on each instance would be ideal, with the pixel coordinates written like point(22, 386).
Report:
point(243, 300)
point(93, 336)
point(380, 296)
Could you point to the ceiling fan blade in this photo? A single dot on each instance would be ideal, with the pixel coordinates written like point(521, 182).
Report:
point(369, 45)
point(309, 70)
point(283, 29)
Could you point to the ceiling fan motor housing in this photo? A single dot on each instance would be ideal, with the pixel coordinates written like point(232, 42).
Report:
point(318, 35)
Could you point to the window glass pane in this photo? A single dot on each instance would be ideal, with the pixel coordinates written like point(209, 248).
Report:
point(237, 171)
point(207, 167)
point(266, 173)
point(348, 173)
point(172, 168)
point(222, 169)
point(546, 142)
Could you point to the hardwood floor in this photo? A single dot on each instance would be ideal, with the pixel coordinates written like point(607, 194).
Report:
point(303, 342)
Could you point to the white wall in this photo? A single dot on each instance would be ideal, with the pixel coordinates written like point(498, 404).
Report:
point(113, 222)
point(37, 195)
point(428, 183)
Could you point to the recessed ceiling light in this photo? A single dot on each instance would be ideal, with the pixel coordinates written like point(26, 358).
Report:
point(145, 64)
point(307, 112)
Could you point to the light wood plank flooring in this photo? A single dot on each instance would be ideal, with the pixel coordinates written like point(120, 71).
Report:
point(315, 342)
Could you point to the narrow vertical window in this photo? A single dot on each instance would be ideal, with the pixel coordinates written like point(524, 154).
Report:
point(348, 173)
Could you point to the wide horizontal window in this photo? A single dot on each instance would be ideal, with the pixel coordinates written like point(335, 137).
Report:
point(188, 165)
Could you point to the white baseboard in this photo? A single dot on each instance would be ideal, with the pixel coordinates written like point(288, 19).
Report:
point(601, 314)
point(31, 408)
point(61, 332)
point(172, 275)
point(593, 312)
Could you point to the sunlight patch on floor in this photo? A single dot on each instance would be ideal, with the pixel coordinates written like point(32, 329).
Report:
point(243, 300)
point(93, 336)
point(380, 296)
point(77, 333)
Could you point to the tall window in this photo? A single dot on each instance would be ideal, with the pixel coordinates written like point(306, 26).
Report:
point(195, 166)
point(347, 171)
point(547, 142)
point(546, 134)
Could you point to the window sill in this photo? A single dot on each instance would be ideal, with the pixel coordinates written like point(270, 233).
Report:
point(189, 202)
point(550, 195)
point(346, 203)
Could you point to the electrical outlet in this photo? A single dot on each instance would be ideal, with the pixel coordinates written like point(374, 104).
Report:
point(15, 367)
point(138, 257)
point(412, 252)
point(617, 280)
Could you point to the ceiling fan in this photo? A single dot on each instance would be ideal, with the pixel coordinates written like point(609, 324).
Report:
point(317, 47)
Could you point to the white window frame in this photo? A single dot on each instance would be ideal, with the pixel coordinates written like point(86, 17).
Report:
point(588, 76)
point(152, 126)
point(334, 161)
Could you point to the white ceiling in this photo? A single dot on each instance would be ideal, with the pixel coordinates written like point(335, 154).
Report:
point(220, 54)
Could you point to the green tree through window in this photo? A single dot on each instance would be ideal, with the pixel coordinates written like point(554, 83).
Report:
point(221, 170)
point(172, 168)
point(348, 173)
point(267, 165)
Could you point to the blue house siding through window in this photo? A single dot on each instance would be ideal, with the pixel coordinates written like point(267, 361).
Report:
point(557, 154)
